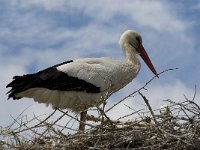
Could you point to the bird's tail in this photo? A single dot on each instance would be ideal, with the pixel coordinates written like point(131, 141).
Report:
point(19, 84)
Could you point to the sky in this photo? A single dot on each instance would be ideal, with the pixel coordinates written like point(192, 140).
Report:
point(36, 34)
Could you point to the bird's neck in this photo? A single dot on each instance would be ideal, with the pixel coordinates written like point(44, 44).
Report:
point(131, 55)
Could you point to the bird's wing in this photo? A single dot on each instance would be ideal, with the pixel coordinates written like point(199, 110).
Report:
point(97, 71)
point(54, 78)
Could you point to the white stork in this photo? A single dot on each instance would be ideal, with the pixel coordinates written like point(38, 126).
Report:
point(165, 111)
point(83, 83)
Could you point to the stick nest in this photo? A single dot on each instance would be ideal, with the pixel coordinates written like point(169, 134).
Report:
point(177, 126)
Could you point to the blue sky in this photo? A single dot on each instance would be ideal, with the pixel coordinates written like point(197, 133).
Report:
point(35, 34)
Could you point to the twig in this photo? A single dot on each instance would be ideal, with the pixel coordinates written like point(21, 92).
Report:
point(195, 92)
point(76, 119)
point(103, 114)
point(143, 87)
point(148, 105)
point(17, 117)
point(130, 114)
point(53, 124)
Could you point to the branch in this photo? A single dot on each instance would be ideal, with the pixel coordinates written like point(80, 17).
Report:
point(143, 87)
point(148, 105)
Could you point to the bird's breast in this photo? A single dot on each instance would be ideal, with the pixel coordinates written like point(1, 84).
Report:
point(122, 75)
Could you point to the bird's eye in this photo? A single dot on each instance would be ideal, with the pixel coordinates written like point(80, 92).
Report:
point(138, 40)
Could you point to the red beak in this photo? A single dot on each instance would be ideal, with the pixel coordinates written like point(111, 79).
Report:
point(146, 59)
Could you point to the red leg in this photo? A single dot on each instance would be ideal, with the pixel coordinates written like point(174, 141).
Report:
point(83, 120)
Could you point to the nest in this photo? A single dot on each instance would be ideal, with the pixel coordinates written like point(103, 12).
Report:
point(176, 126)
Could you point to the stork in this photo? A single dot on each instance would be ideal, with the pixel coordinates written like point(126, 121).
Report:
point(83, 83)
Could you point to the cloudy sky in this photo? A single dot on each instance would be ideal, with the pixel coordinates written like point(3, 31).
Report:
point(35, 34)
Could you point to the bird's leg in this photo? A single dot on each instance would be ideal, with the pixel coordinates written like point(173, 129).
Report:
point(83, 120)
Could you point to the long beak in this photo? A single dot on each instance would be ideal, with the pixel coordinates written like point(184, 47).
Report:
point(146, 59)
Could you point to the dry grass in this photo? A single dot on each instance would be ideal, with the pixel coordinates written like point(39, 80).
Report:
point(179, 128)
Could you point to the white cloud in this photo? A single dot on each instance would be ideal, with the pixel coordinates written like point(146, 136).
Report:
point(7, 107)
point(33, 29)
point(152, 14)
point(46, 4)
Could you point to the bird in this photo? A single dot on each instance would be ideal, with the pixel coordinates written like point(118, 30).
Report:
point(165, 111)
point(80, 84)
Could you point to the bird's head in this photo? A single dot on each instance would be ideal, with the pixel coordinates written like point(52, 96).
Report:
point(133, 39)
point(164, 110)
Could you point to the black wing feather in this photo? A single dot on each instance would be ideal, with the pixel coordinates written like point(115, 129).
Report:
point(52, 79)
